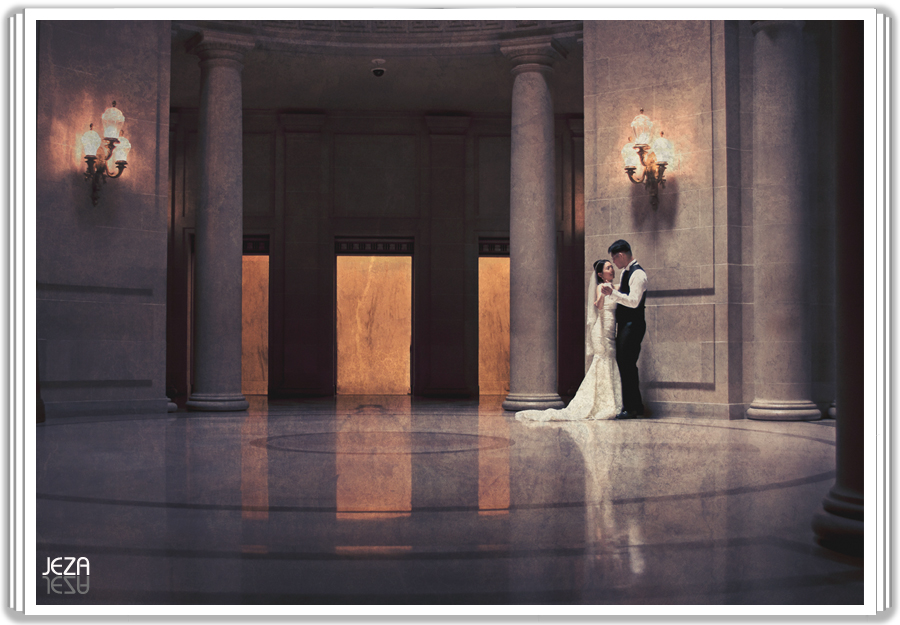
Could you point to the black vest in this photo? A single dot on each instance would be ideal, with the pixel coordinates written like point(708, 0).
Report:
point(624, 314)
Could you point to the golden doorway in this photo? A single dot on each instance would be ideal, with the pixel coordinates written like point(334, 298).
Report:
point(493, 325)
point(255, 326)
point(374, 325)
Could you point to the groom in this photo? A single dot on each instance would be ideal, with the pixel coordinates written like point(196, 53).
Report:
point(630, 325)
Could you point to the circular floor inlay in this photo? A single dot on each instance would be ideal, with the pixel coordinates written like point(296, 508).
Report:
point(382, 442)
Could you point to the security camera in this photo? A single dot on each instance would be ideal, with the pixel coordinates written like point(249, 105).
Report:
point(378, 70)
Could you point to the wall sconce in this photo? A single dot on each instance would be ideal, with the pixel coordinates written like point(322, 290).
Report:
point(652, 158)
point(117, 147)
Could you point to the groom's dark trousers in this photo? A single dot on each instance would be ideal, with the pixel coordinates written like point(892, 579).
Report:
point(628, 347)
point(630, 329)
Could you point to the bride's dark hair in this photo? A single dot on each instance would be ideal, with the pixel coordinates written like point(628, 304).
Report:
point(598, 268)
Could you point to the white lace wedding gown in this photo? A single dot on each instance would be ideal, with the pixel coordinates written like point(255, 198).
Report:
point(600, 394)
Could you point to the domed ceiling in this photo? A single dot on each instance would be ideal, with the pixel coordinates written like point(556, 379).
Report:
point(429, 66)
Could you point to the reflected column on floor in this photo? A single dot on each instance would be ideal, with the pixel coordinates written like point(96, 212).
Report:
point(548, 481)
point(493, 462)
point(207, 479)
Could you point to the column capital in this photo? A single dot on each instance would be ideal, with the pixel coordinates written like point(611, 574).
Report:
point(533, 54)
point(213, 45)
point(773, 26)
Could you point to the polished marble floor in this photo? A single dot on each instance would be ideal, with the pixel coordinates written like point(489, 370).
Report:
point(392, 500)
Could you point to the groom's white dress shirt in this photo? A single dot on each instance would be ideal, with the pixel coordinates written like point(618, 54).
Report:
point(637, 284)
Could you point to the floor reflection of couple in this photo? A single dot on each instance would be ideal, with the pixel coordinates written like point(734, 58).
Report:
point(615, 328)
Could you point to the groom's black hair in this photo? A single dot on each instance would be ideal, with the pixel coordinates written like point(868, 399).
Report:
point(619, 246)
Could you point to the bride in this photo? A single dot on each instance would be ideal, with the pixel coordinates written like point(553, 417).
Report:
point(600, 394)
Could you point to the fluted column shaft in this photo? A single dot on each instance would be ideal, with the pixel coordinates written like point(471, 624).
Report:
point(219, 225)
point(532, 230)
point(783, 388)
point(840, 524)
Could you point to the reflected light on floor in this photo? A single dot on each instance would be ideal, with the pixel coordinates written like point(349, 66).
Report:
point(254, 468)
point(493, 464)
point(372, 484)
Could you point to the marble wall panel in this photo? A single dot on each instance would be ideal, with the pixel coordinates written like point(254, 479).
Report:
point(446, 294)
point(375, 176)
point(685, 324)
point(126, 321)
point(677, 210)
point(447, 233)
point(303, 163)
point(259, 174)
point(493, 176)
point(102, 258)
point(255, 326)
point(493, 326)
point(78, 362)
point(685, 248)
point(672, 363)
point(374, 324)
point(448, 173)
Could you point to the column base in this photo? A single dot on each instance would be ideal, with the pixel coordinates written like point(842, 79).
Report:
point(773, 410)
point(839, 525)
point(212, 402)
point(533, 401)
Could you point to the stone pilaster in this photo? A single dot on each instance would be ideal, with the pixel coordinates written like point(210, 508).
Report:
point(532, 229)
point(219, 227)
point(780, 228)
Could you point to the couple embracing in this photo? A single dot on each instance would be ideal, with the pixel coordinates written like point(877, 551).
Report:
point(615, 329)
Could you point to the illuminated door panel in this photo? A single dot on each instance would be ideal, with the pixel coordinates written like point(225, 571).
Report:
point(255, 326)
point(493, 325)
point(374, 325)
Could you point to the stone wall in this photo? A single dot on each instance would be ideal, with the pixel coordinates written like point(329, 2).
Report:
point(695, 81)
point(101, 270)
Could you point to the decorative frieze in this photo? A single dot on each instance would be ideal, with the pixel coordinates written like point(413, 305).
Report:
point(374, 246)
point(493, 247)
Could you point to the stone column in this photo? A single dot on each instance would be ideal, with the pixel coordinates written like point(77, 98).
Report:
point(839, 525)
point(532, 229)
point(219, 227)
point(780, 228)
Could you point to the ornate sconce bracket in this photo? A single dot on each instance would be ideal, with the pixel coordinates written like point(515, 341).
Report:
point(115, 150)
point(652, 159)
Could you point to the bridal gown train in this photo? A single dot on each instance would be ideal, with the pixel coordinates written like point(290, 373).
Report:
point(600, 394)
